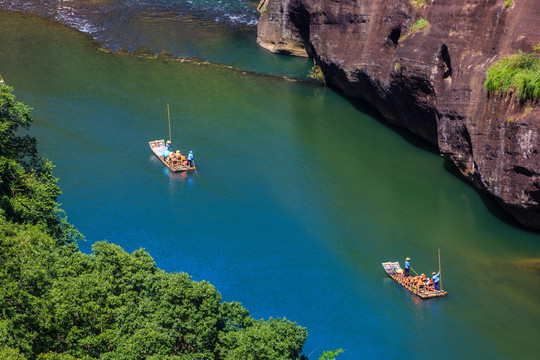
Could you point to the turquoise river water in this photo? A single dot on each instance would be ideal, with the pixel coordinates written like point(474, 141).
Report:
point(299, 197)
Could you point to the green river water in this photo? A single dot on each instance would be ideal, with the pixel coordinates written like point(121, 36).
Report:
point(299, 198)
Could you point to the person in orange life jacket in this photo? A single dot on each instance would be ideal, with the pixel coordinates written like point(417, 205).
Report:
point(407, 266)
point(190, 158)
point(435, 279)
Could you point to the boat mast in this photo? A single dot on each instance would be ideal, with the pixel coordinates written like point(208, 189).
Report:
point(169, 117)
point(440, 275)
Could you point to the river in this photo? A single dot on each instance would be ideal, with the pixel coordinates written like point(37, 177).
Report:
point(300, 194)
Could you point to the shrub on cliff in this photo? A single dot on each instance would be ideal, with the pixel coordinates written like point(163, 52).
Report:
point(519, 72)
point(419, 25)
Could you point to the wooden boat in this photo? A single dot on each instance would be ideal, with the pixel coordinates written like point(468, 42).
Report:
point(392, 269)
point(176, 165)
point(173, 163)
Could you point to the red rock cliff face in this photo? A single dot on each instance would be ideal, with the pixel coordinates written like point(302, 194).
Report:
point(430, 81)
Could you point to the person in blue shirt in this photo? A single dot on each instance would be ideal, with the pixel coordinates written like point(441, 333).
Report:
point(167, 150)
point(190, 158)
point(407, 266)
point(166, 154)
point(436, 279)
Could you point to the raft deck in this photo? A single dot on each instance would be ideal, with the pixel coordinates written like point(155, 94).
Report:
point(158, 146)
point(422, 291)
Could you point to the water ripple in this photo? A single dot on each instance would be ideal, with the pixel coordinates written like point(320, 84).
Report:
point(99, 16)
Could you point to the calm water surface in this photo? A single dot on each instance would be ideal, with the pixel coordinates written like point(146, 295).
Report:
point(299, 197)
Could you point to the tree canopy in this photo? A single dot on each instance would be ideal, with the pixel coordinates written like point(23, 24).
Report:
point(28, 189)
point(57, 303)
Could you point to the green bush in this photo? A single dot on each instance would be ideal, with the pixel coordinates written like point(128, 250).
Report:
point(519, 72)
point(508, 3)
point(316, 73)
point(419, 25)
point(419, 3)
point(330, 355)
point(11, 354)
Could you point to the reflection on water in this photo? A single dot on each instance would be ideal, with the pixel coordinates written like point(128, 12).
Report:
point(178, 181)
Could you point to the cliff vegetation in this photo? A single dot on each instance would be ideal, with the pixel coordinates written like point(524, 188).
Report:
point(519, 72)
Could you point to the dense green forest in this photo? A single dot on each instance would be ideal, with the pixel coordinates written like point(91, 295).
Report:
point(59, 303)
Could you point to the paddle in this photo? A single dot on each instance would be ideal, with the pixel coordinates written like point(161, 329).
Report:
point(195, 168)
point(169, 117)
point(440, 274)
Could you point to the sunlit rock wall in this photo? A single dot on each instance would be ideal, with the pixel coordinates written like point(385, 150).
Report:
point(430, 81)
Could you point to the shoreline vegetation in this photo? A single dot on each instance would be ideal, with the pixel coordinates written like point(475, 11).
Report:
point(57, 303)
point(145, 53)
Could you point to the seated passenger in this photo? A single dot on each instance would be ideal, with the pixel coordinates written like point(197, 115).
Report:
point(166, 154)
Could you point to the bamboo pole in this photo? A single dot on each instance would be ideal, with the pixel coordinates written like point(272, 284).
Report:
point(195, 169)
point(440, 274)
point(169, 117)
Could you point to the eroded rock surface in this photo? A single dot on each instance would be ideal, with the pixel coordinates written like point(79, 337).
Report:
point(431, 80)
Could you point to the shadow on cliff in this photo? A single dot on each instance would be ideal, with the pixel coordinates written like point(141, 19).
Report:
point(367, 108)
point(491, 204)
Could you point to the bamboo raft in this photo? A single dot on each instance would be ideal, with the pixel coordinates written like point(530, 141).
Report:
point(422, 291)
point(158, 146)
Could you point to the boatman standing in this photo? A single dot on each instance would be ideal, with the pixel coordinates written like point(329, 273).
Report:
point(168, 145)
point(435, 279)
point(407, 266)
point(190, 158)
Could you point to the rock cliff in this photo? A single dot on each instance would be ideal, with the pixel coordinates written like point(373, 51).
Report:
point(422, 64)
